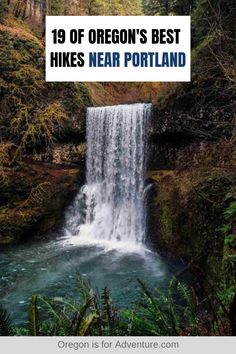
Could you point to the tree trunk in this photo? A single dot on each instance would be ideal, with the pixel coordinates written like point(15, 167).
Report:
point(49, 7)
point(35, 8)
point(25, 3)
point(30, 9)
point(44, 13)
point(17, 8)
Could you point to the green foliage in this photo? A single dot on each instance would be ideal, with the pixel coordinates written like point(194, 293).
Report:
point(166, 221)
point(230, 212)
point(173, 312)
point(108, 314)
point(34, 113)
point(32, 120)
point(112, 7)
point(183, 7)
point(42, 128)
point(59, 316)
point(210, 15)
point(161, 314)
point(166, 7)
point(5, 323)
point(56, 7)
point(33, 316)
point(228, 282)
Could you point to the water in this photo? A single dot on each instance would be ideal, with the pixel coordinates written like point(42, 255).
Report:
point(104, 234)
point(51, 268)
point(116, 164)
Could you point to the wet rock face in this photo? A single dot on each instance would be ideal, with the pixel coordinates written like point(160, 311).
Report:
point(186, 215)
point(208, 123)
point(75, 131)
point(35, 204)
point(69, 153)
point(176, 136)
point(166, 150)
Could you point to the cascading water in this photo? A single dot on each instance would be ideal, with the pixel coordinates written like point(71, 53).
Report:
point(114, 193)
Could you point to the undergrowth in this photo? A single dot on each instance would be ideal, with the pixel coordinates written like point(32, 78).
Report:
point(172, 313)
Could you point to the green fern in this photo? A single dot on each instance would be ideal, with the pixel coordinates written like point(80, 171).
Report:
point(189, 309)
point(158, 313)
point(6, 328)
point(172, 308)
point(78, 319)
point(87, 324)
point(108, 312)
point(230, 212)
point(153, 308)
point(33, 316)
point(163, 315)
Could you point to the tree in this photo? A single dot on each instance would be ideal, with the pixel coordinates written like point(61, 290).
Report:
point(24, 9)
point(210, 15)
point(182, 7)
point(166, 7)
point(44, 13)
point(3, 10)
point(156, 7)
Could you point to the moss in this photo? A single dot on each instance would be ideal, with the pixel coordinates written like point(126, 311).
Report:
point(34, 113)
point(82, 94)
point(166, 222)
point(190, 209)
point(14, 223)
point(35, 205)
point(205, 240)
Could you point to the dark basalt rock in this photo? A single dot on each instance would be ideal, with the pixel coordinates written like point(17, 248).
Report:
point(175, 132)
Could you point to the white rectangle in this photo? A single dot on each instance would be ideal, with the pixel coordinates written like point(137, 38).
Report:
point(135, 345)
point(134, 62)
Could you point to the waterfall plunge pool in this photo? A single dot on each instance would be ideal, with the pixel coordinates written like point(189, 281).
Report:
point(51, 267)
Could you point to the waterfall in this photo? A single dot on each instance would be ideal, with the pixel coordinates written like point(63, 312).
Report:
point(114, 194)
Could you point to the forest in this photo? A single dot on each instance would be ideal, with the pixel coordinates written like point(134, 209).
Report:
point(50, 145)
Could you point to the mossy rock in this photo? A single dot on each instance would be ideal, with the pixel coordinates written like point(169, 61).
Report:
point(36, 205)
point(188, 219)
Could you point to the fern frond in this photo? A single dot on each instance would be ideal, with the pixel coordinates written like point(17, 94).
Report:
point(87, 323)
point(5, 323)
point(79, 318)
point(108, 313)
point(173, 312)
point(189, 310)
point(154, 307)
point(49, 307)
point(33, 316)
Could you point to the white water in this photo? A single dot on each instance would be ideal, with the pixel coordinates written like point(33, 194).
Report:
point(114, 195)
